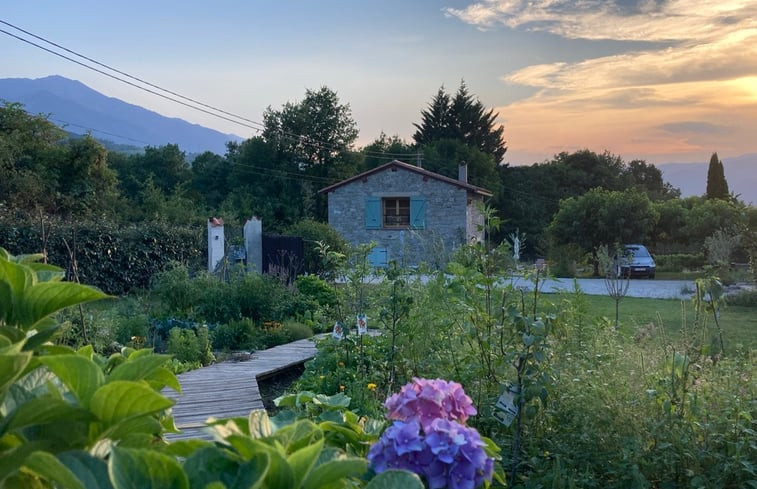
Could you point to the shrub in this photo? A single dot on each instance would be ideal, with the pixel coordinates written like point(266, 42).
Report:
point(174, 288)
point(262, 298)
point(743, 298)
point(274, 333)
point(563, 260)
point(295, 330)
point(234, 336)
point(313, 232)
point(132, 330)
point(190, 345)
point(679, 261)
point(216, 301)
point(315, 290)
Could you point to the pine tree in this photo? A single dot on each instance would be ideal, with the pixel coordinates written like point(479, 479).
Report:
point(463, 118)
point(717, 186)
point(436, 120)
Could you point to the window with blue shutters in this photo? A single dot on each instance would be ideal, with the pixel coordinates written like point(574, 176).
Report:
point(395, 213)
point(372, 213)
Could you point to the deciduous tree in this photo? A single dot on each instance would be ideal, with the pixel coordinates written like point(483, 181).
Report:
point(387, 148)
point(317, 135)
point(603, 218)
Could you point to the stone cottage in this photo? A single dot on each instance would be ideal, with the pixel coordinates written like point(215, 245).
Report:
point(412, 214)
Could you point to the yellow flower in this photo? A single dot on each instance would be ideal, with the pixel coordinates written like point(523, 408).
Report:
point(341, 364)
point(371, 386)
point(322, 377)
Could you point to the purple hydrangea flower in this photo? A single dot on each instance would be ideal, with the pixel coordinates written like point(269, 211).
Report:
point(427, 437)
point(427, 400)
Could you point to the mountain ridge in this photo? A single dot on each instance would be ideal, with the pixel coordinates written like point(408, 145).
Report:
point(691, 178)
point(77, 108)
point(80, 109)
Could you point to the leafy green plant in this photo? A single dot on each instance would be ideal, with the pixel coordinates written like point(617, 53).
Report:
point(262, 298)
point(71, 418)
point(60, 407)
point(234, 336)
point(191, 345)
point(174, 288)
point(313, 233)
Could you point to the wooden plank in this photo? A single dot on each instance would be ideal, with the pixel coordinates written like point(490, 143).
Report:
point(229, 389)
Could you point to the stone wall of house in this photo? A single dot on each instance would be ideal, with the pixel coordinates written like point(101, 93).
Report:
point(475, 219)
point(448, 214)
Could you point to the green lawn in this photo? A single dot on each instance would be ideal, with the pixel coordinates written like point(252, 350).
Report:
point(739, 324)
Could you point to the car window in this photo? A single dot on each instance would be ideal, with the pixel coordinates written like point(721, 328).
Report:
point(637, 251)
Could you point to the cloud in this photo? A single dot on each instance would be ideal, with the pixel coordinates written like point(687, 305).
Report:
point(694, 127)
point(700, 66)
point(645, 20)
point(706, 40)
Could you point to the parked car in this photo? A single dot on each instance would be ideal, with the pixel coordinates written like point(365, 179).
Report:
point(637, 261)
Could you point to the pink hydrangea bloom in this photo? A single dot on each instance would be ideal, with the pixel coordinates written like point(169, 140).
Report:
point(426, 400)
point(428, 437)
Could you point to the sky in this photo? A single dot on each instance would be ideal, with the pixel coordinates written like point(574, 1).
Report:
point(659, 80)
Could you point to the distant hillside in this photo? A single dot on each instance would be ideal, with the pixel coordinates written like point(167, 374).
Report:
point(691, 178)
point(81, 108)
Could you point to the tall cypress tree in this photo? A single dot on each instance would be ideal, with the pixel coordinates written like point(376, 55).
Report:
point(717, 186)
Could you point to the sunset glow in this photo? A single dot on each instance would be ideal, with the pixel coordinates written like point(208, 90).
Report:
point(660, 80)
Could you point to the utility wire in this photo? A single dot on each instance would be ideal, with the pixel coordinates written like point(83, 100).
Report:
point(243, 121)
point(129, 76)
point(127, 81)
point(98, 130)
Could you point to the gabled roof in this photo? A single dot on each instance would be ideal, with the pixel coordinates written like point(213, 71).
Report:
point(412, 168)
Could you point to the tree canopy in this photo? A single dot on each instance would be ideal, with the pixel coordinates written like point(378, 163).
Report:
point(603, 218)
point(315, 137)
point(530, 195)
point(41, 169)
point(463, 118)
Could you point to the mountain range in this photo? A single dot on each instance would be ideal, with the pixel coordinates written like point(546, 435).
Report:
point(80, 109)
point(691, 178)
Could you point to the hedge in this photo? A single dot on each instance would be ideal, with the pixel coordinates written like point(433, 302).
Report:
point(679, 261)
point(117, 259)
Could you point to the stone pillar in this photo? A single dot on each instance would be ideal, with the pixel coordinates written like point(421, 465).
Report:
point(215, 243)
point(253, 243)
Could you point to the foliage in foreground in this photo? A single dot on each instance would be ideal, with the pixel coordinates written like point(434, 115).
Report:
point(661, 405)
point(75, 419)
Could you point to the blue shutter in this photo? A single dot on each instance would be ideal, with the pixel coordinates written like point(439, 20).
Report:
point(417, 213)
point(372, 213)
point(378, 257)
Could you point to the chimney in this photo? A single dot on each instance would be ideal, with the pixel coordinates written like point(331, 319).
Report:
point(462, 172)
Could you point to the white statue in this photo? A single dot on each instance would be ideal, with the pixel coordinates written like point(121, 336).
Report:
point(516, 240)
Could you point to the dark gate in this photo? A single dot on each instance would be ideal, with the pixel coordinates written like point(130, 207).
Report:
point(283, 256)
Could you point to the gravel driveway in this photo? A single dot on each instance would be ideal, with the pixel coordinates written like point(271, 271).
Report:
point(657, 289)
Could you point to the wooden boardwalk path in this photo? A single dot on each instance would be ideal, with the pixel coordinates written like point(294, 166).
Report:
point(229, 389)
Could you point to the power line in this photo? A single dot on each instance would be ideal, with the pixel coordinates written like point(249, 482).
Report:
point(98, 130)
point(249, 123)
point(128, 75)
point(127, 81)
